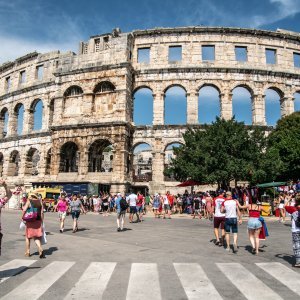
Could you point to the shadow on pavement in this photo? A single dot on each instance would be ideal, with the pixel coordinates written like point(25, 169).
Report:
point(287, 257)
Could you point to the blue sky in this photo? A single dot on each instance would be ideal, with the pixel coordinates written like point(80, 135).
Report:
point(60, 24)
point(39, 25)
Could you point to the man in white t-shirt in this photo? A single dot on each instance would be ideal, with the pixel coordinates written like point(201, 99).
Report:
point(131, 199)
point(231, 209)
point(219, 218)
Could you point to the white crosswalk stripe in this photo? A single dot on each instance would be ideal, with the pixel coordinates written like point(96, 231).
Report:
point(249, 285)
point(195, 282)
point(93, 281)
point(146, 275)
point(283, 274)
point(14, 267)
point(38, 284)
point(144, 281)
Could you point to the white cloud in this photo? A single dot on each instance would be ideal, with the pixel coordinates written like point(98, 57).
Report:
point(14, 47)
point(211, 14)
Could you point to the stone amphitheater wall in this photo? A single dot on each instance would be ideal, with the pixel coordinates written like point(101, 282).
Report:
point(105, 112)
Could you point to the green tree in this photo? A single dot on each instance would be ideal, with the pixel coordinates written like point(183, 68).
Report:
point(220, 153)
point(284, 147)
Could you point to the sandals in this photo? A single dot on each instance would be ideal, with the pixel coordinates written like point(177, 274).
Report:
point(27, 254)
point(42, 254)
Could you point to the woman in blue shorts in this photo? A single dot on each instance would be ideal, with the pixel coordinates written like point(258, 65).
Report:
point(75, 207)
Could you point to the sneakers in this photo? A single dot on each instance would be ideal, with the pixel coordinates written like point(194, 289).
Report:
point(227, 249)
point(119, 229)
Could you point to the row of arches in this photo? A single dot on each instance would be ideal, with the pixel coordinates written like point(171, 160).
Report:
point(101, 87)
point(143, 158)
point(35, 119)
point(100, 159)
point(209, 106)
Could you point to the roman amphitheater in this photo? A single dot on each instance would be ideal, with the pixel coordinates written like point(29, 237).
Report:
point(69, 117)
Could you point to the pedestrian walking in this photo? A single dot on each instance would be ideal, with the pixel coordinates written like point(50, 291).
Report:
point(62, 208)
point(3, 200)
point(131, 200)
point(219, 219)
point(139, 206)
point(121, 206)
point(76, 207)
point(156, 204)
point(167, 209)
point(33, 215)
point(295, 212)
point(231, 209)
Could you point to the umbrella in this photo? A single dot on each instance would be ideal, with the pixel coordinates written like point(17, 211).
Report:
point(189, 183)
point(271, 184)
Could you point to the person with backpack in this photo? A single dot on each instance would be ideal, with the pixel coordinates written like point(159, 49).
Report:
point(295, 215)
point(121, 206)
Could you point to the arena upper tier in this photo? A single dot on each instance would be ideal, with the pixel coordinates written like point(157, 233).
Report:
point(77, 111)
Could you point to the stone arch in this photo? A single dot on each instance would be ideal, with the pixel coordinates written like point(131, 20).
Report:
point(169, 155)
point(169, 145)
point(73, 90)
point(69, 157)
point(32, 162)
point(208, 103)
point(297, 101)
point(100, 156)
point(278, 90)
point(48, 159)
point(144, 86)
point(104, 99)
point(143, 106)
point(1, 164)
point(142, 162)
point(273, 98)
point(36, 115)
point(19, 118)
point(14, 163)
point(174, 85)
point(4, 118)
point(242, 104)
point(175, 105)
point(71, 99)
point(245, 86)
point(208, 84)
point(104, 87)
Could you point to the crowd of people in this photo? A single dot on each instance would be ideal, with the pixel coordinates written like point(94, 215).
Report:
point(223, 208)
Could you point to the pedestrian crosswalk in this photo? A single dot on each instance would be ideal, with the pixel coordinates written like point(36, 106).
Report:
point(144, 280)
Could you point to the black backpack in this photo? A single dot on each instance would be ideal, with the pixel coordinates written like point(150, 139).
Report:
point(123, 204)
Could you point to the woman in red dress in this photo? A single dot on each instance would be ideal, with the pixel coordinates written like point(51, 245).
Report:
point(34, 229)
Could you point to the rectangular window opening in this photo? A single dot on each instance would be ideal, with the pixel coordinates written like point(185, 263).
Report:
point(297, 60)
point(175, 53)
point(144, 55)
point(22, 77)
point(271, 56)
point(39, 72)
point(208, 53)
point(7, 84)
point(241, 53)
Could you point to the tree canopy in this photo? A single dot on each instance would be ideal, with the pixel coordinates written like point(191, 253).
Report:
point(284, 147)
point(224, 151)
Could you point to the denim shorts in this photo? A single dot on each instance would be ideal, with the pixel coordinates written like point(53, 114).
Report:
point(254, 223)
point(133, 210)
point(75, 214)
point(231, 223)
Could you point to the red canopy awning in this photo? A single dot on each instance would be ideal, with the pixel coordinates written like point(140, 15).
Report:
point(189, 183)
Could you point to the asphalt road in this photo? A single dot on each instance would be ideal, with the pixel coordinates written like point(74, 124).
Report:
point(155, 259)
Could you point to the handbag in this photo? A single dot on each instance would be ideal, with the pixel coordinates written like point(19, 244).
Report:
point(31, 214)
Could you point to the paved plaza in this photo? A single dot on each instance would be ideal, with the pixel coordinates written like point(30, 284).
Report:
point(155, 259)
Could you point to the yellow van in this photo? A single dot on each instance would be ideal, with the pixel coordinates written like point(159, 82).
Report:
point(49, 196)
